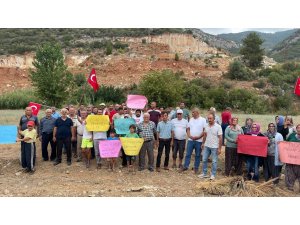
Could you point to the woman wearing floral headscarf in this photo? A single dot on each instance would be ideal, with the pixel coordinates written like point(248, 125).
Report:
point(292, 172)
point(271, 164)
point(251, 160)
point(231, 156)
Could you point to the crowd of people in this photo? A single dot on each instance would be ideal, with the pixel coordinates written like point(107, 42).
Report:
point(168, 129)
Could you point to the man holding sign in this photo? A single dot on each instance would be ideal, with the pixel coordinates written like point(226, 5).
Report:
point(292, 171)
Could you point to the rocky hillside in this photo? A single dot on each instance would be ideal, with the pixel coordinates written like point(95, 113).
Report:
point(270, 39)
point(132, 57)
point(288, 49)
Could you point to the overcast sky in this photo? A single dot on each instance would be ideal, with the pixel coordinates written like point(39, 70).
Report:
point(237, 30)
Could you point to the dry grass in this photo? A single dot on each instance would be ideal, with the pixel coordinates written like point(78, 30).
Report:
point(238, 187)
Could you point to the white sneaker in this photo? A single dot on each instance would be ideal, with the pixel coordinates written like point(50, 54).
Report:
point(202, 175)
point(212, 177)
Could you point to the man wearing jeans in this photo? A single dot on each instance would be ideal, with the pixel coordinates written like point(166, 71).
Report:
point(212, 143)
point(179, 126)
point(195, 133)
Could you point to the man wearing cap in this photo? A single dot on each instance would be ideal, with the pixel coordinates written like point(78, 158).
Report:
point(63, 133)
point(46, 131)
point(24, 120)
point(179, 126)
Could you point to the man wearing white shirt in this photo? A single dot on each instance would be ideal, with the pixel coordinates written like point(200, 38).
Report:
point(179, 137)
point(79, 130)
point(195, 133)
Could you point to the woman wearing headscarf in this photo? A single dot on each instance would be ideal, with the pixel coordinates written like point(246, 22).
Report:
point(271, 164)
point(247, 127)
point(232, 158)
point(289, 126)
point(251, 160)
point(280, 126)
point(292, 172)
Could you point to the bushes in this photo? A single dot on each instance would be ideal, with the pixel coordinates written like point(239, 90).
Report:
point(283, 102)
point(165, 87)
point(18, 99)
point(238, 71)
point(260, 84)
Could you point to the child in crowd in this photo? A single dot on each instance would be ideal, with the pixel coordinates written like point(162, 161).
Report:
point(86, 144)
point(131, 159)
point(28, 151)
point(112, 161)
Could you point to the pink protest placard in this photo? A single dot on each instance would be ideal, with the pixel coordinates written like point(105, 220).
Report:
point(109, 148)
point(136, 101)
point(289, 152)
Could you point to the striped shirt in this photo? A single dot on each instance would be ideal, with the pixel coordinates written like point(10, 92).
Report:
point(147, 130)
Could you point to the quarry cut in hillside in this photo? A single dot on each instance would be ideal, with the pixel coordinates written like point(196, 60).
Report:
point(144, 54)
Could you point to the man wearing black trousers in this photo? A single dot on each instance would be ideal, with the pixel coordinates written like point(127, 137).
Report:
point(46, 131)
point(164, 133)
point(63, 133)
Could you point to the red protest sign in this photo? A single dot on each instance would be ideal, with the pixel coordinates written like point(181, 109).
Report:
point(289, 152)
point(252, 145)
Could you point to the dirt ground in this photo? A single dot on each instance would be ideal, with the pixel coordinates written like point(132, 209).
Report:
point(76, 180)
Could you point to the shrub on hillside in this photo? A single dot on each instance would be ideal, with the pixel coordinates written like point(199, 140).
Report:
point(238, 71)
point(260, 84)
point(283, 102)
point(165, 87)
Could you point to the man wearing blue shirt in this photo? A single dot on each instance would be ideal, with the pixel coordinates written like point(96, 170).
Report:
point(164, 132)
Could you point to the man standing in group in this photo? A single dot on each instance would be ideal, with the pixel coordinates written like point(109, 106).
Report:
point(154, 113)
point(195, 133)
point(164, 135)
point(186, 112)
point(111, 112)
point(147, 130)
point(212, 144)
point(63, 134)
point(54, 113)
point(78, 127)
point(179, 126)
point(23, 123)
point(46, 131)
point(72, 115)
point(226, 118)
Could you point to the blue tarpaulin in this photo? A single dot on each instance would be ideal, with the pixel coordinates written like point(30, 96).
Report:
point(8, 134)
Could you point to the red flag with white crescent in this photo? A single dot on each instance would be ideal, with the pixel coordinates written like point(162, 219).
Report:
point(297, 87)
point(92, 80)
point(35, 107)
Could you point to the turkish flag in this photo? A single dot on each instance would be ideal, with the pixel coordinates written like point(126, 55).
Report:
point(252, 145)
point(35, 107)
point(92, 80)
point(297, 87)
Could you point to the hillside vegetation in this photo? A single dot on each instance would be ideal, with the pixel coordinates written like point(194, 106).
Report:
point(20, 41)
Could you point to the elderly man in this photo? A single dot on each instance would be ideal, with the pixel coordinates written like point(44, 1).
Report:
point(195, 133)
point(46, 131)
point(62, 133)
point(179, 126)
point(212, 144)
point(23, 124)
point(147, 130)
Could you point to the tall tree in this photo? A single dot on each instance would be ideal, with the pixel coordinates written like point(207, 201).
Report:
point(252, 51)
point(52, 81)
